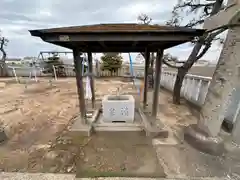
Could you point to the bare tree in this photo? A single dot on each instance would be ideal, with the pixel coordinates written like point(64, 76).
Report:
point(167, 58)
point(144, 19)
point(202, 44)
point(3, 67)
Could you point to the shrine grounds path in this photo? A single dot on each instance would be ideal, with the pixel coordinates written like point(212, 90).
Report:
point(35, 115)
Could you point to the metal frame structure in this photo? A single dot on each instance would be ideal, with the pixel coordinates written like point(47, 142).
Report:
point(117, 38)
point(52, 52)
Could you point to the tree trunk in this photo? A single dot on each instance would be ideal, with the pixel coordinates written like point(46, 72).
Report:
point(3, 69)
point(150, 78)
point(151, 71)
point(178, 84)
point(190, 61)
point(152, 60)
point(182, 71)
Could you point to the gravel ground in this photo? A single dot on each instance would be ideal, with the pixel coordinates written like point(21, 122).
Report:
point(41, 176)
point(34, 117)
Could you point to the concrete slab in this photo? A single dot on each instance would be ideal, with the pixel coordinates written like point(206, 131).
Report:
point(82, 129)
point(150, 128)
point(100, 125)
point(185, 161)
point(35, 176)
point(93, 116)
point(169, 141)
point(130, 178)
point(119, 154)
point(201, 141)
point(48, 176)
point(2, 84)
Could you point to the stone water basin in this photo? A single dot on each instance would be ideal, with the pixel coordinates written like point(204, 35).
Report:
point(118, 108)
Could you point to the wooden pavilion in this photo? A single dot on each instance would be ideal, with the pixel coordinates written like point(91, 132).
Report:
point(117, 38)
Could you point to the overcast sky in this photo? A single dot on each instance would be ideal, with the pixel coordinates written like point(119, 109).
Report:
point(18, 16)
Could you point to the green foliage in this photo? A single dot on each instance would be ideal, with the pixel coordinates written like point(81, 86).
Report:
point(169, 58)
point(54, 60)
point(111, 62)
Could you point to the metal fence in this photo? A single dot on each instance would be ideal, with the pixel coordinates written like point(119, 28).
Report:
point(25, 71)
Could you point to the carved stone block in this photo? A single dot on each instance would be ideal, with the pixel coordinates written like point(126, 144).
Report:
point(118, 108)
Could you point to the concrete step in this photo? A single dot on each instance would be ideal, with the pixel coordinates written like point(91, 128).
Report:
point(117, 124)
point(117, 128)
point(121, 134)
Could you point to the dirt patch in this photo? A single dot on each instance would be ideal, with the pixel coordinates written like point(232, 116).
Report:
point(174, 116)
point(119, 154)
point(37, 89)
point(33, 118)
point(59, 157)
point(36, 124)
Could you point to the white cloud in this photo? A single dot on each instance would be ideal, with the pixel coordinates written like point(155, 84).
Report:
point(18, 16)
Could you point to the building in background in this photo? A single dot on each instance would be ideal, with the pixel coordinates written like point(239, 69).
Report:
point(13, 61)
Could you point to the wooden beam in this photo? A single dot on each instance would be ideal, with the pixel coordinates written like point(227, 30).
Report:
point(59, 52)
point(80, 88)
point(134, 43)
point(158, 69)
point(95, 47)
point(102, 44)
point(116, 37)
point(147, 62)
point(90, 66)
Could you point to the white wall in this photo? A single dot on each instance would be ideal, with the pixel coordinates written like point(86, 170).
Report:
point(194, 87)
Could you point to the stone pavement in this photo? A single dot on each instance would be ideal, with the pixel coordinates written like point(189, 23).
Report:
point(179, 158)
point(48, 176)
point(183, 160)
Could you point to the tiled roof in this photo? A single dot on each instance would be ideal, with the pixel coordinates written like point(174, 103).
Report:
point(116, 28)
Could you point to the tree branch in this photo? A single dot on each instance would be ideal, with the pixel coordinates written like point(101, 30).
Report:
point(194, 23)
point(193, 6)
point(170, 65)
point(208, 43)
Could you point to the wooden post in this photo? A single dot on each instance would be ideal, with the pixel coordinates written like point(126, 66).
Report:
point(80, 89)
point(15, 75)
point(55, 73)
point(35, 74)
point(90, 68)
point(147, 61)
point(158, 71)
